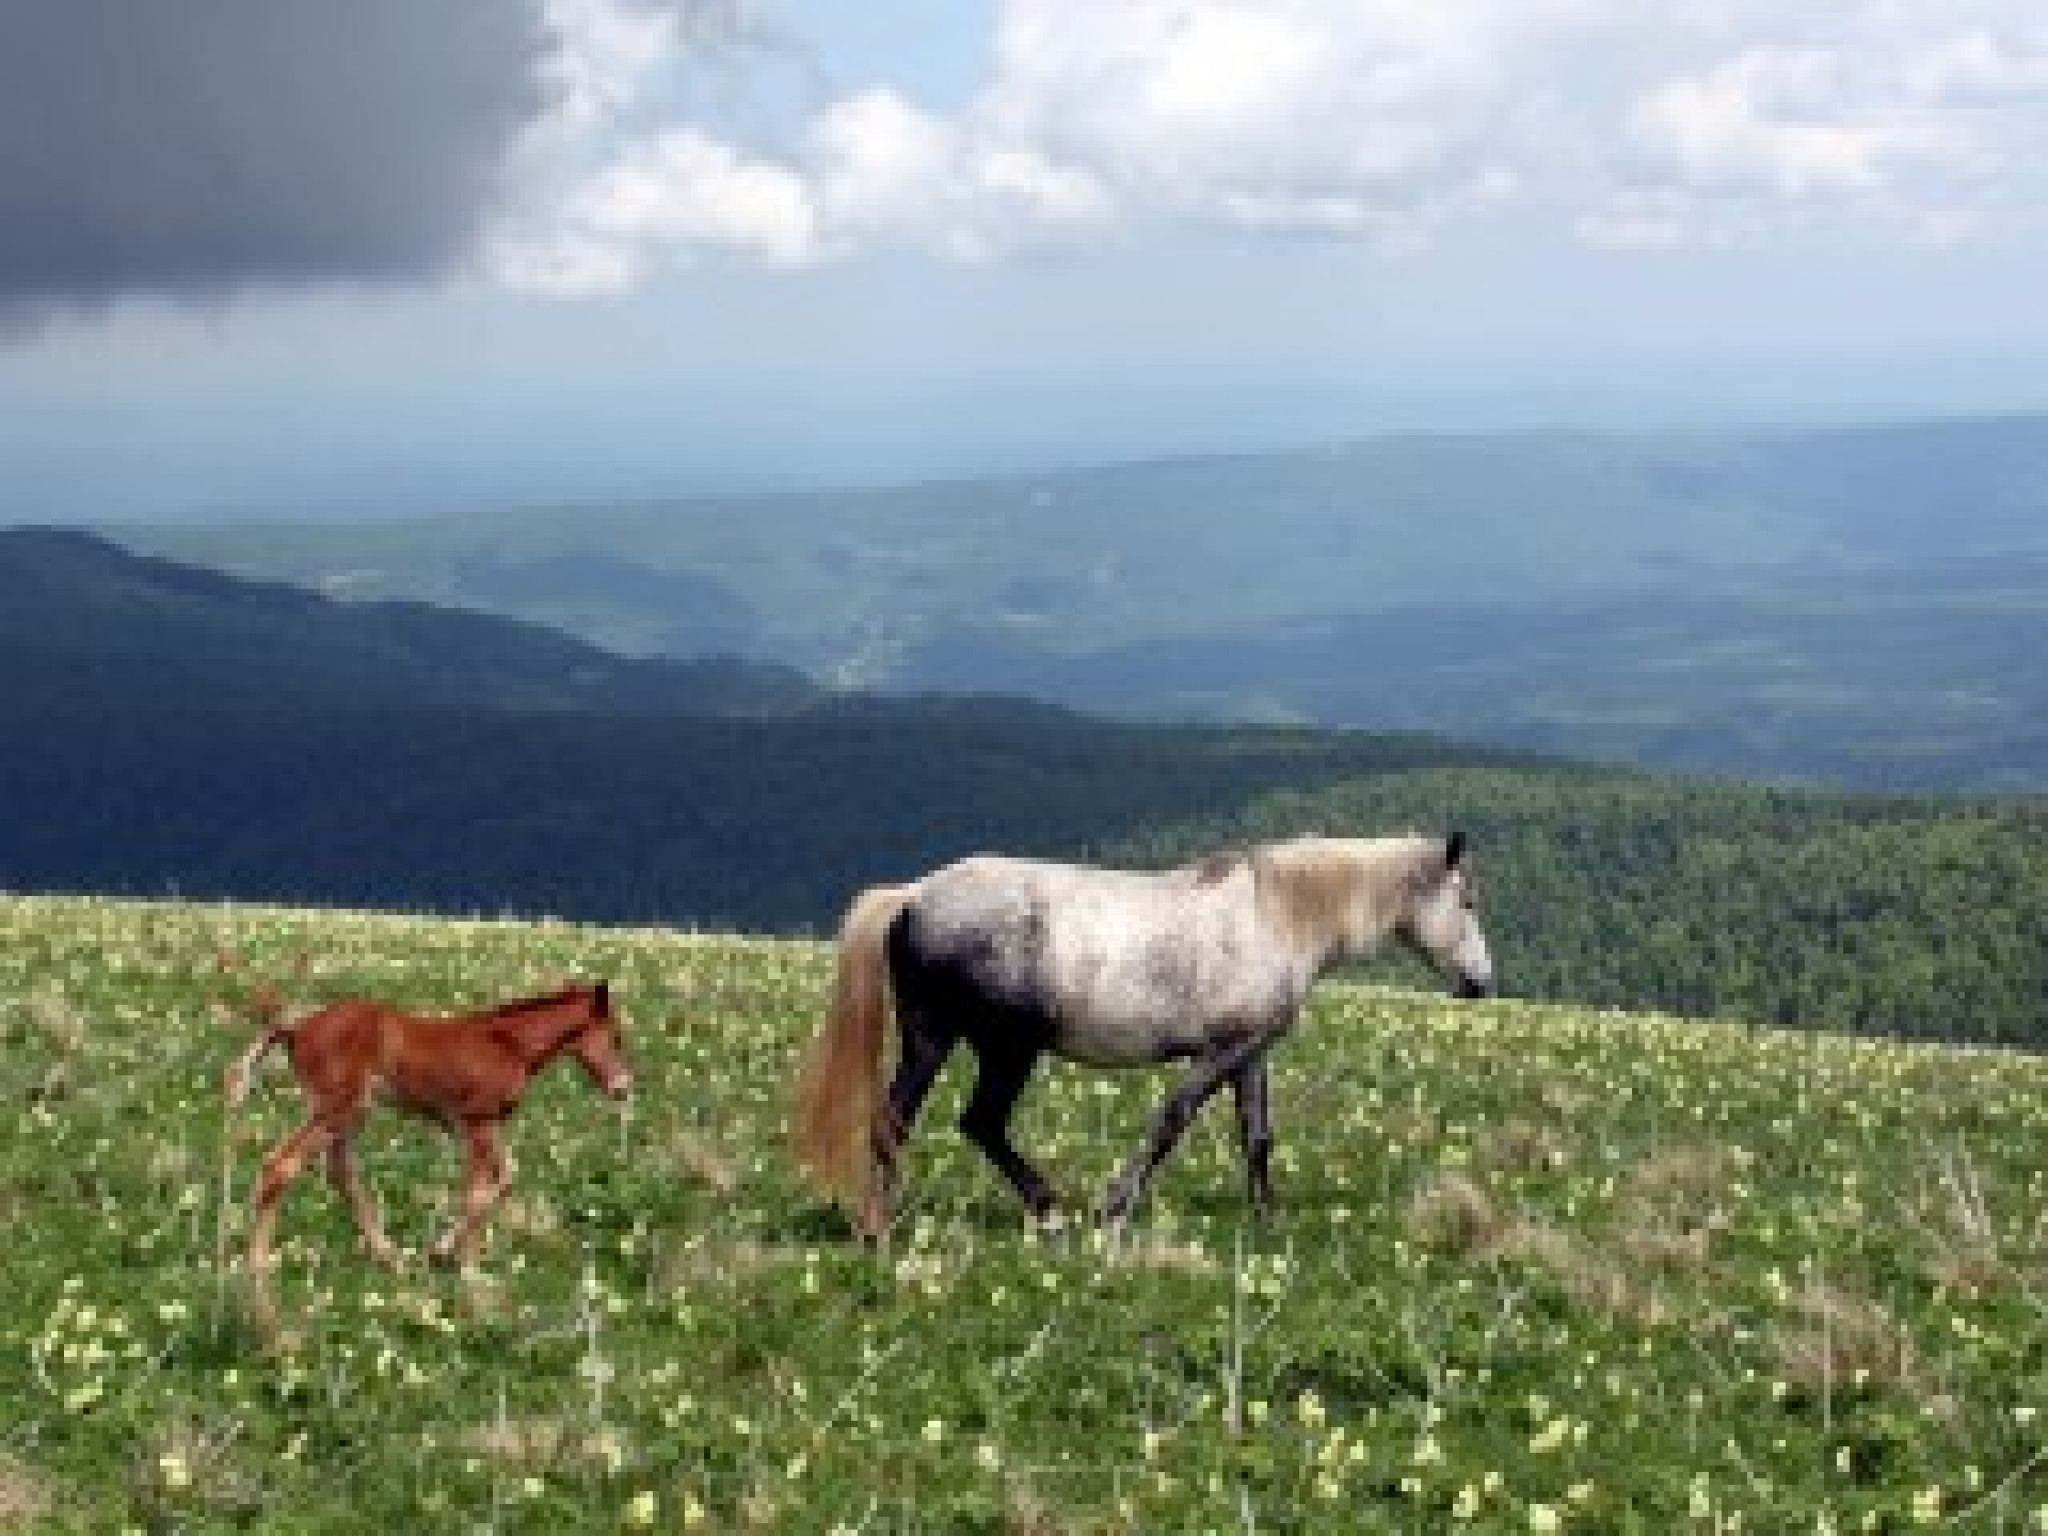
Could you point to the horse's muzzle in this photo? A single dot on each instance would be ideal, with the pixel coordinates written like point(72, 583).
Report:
point(1467, 987)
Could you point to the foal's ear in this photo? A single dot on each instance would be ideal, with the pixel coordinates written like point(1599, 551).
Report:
point(1454, 850)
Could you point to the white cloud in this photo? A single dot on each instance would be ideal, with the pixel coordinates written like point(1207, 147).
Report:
point(1905, 128)
point(604, 55)
point(1023, 182)
point(1978, 68)
point(1360, 117)
point(685, 188)
point(1382, 121)
point(1779, 119)
point(879, 164)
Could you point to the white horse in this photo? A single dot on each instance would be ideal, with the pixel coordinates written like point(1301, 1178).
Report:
point(1208, 963)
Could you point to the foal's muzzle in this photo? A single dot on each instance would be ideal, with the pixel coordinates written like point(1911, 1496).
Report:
point(1465, 986)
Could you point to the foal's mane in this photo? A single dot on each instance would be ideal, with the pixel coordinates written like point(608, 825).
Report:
point(556, 999)
point(520, 1018)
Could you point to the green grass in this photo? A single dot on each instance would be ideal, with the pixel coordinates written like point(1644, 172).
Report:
point(1533, 1268)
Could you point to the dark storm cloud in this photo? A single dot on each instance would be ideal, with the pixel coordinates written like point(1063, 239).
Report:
point(193, 147)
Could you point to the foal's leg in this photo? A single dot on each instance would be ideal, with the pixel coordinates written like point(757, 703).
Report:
point(343, 1174)
point(279, 1169)
point(483, 1177)
point(1174, 1117)
point(1255, 1133)
point(1004, 1070)
point(923, 1053)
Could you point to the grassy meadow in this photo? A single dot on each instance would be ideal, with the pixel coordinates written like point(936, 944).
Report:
point(1533, 1269)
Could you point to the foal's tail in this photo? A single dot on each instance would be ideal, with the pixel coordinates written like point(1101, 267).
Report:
point(838, 1089)
point(267, 1007)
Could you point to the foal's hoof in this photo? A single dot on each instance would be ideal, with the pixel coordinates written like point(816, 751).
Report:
point(871, 1223)
point(870, 1234)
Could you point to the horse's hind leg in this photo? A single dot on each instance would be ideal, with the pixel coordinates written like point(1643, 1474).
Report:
point(348, 1182)
point(286, 1159)
point(1000, 1080)
point(1255, 1133)
point(1174, 1117)
point(923, 1052)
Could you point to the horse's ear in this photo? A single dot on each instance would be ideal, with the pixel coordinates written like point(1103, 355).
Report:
point(1454, 850)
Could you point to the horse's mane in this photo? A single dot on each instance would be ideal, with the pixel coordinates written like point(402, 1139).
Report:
point(1336, 889)
point(1215, 868)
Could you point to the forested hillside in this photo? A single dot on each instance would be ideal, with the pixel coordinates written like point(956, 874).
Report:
point(760, 825)
point(1918, 917)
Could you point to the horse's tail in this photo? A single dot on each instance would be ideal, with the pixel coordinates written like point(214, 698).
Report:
point(838, 1089)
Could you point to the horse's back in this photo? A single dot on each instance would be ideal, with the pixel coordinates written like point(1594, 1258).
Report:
point(1045, 908)
point(1125, 965)
point(996, 880)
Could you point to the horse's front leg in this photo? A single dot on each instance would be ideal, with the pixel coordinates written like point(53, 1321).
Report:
point(482, 1179)
point(1255, 1133)
point(348, 1182)
point(1175, 1115)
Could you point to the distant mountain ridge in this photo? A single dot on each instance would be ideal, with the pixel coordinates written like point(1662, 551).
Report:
point(1865, 606)
point(82, 618)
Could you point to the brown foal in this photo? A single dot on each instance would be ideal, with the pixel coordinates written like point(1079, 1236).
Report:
point(466, 1071)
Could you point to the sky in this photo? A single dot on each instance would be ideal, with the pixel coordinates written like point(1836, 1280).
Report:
point(323, 258)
